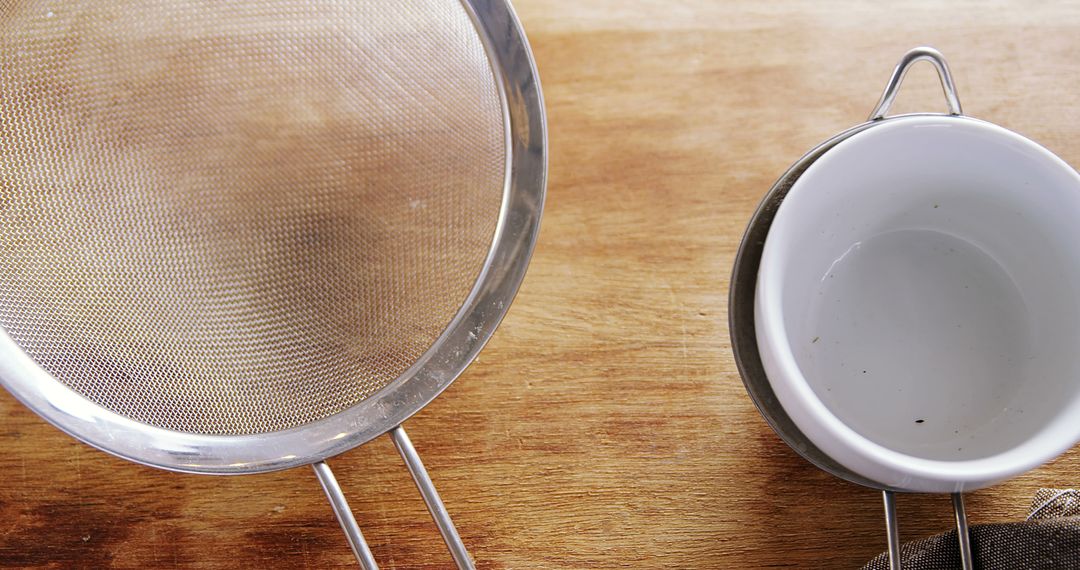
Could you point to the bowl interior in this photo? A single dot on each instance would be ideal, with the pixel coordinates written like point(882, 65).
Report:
point(928, 272)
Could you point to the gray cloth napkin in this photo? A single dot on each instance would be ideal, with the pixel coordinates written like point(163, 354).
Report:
point(1048, 540)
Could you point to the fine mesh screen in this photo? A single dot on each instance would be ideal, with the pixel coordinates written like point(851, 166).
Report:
point(239, 217)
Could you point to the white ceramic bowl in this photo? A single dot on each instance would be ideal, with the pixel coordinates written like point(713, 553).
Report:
point(918, 304)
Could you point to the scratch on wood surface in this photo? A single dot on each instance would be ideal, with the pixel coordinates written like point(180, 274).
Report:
point(677, 304)
point(685, 349)
point(154, 540)
point(391, 559)
point(78, 464)
point(25, 486)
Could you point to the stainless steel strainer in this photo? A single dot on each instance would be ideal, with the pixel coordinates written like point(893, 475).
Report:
point(245, 236)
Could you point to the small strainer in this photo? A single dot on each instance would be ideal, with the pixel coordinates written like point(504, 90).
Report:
point(238, 237)
point(863, 342)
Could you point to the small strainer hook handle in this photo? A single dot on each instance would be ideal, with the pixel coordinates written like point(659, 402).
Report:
point(893, 531)
point(911, 58)
point(427, 490)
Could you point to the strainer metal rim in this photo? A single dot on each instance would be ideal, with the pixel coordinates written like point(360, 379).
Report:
point(741, 298)
point(508, 257)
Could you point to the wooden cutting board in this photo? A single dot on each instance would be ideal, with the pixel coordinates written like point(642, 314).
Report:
point(606, 426)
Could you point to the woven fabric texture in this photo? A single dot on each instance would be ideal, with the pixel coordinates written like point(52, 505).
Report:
point(1048, 540)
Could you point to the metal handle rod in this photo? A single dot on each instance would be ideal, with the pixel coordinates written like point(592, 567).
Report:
point(962, 532)
point(892, 530)
point(431, 498)
point(344, 515)
point(910, 58)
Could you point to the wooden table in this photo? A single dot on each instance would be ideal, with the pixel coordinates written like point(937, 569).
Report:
point(606, 426)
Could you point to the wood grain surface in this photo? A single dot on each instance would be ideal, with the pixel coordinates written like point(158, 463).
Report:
point(605, 426)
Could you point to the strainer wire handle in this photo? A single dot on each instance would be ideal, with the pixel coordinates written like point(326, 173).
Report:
point(427, 490)
point(344, 515)
point(911, 58)
point(963, 536)
point(892, 530)
point(431, 498)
